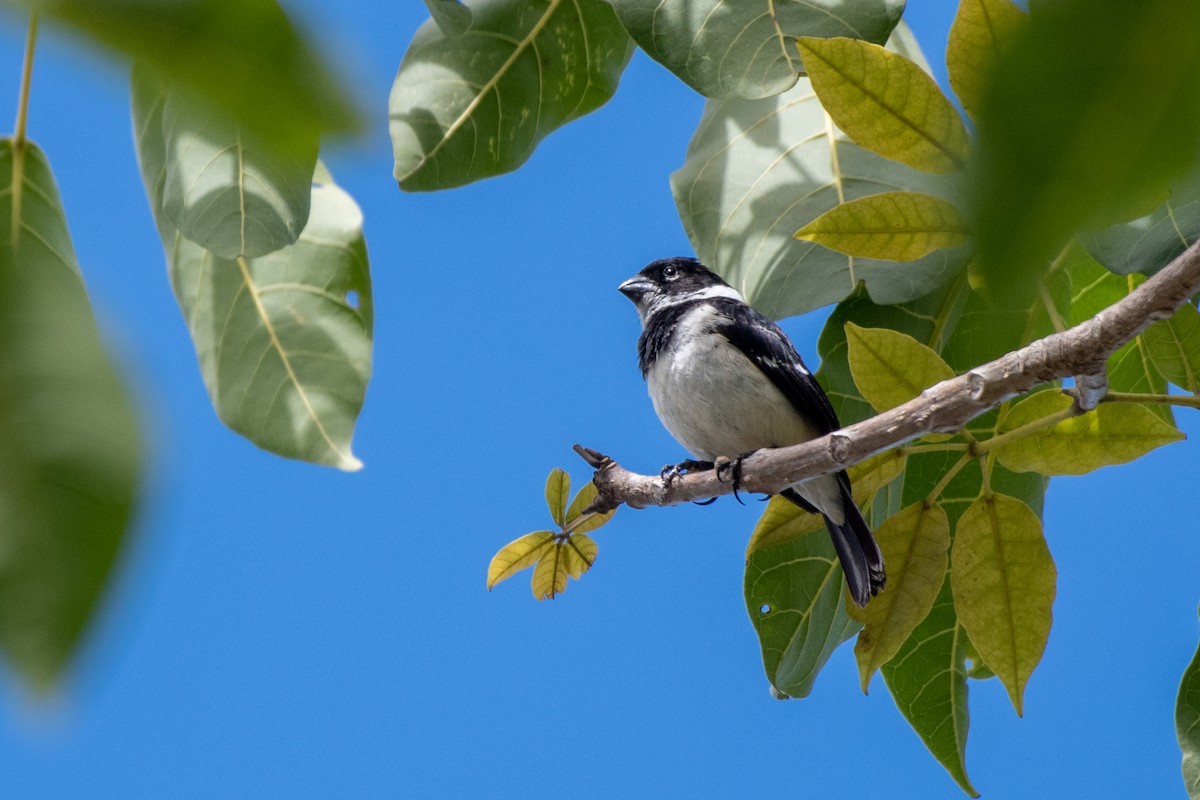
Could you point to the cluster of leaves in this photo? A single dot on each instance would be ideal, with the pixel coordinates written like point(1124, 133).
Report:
point(830, 168)
point(265, 254)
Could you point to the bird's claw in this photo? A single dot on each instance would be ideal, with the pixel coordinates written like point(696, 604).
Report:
point(672, 472)
point(733, 467)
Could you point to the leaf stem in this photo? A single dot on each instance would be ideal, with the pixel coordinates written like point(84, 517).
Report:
point(935, 447)
point(1189, 400)
point(999, 440)
point(945, 481)
point(26, 80)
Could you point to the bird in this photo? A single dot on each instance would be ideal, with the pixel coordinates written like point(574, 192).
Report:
point(725, 381)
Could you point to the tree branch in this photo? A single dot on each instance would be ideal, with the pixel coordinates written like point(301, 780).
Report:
point(943, 408)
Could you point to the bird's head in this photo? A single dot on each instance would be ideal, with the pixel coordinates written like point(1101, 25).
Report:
point(669, 281)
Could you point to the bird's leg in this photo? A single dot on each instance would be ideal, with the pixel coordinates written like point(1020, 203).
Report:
point(733, 467)
point(671, 472)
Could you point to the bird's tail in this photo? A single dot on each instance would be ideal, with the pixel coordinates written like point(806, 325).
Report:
point(856, 547)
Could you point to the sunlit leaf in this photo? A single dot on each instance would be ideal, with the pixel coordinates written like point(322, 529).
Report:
point(794, 593)
point(746, 49)
point(1187, 726)
point(550, 574)
point(283, 340)
point(579, 553)
point(890, 368)
point(1092, 113)
point(475, 104)
point(518, 555)
point(896, 226)
point(68, 435)
point(1174, 347)
point(583, 498)
point(741, 202)
point(1004, 584)
point(558, 490)
point(1114, 433)
point(886, 103)
point(914, 544)
point(982, 30)
point(242, 56)
point(451, 16)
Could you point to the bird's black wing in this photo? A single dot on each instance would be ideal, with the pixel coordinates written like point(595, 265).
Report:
point(769, 349)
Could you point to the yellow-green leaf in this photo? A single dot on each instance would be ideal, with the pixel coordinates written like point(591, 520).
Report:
point(1114, 433)
point(890, 368)
point(518, 555)
point(914, 544)
point(982, 30)
point(582, 500)
point(1174, 347)
point(550, 574)
point(558, 489)
point(580, 553)
point(1004, 584)
point(783, 520)
point(885, 103)
point(892, 226)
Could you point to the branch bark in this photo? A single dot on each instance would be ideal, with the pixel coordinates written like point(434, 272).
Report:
point(943, 408)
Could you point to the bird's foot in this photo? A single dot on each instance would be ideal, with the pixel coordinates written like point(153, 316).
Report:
point(672, 472)
point(733, 468)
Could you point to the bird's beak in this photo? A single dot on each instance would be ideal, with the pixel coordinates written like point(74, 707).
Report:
point(636, 288)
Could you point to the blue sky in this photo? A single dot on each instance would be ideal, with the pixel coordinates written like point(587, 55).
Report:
point(280, 629)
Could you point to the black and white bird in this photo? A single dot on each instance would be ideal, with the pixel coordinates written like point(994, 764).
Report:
point(726, 381)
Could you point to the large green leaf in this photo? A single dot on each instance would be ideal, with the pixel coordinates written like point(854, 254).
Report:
point(1187, 726)
point(796, 599)
point(746, 49)
point(759, 170)
point(224, 189)
point(476, 104)
point(890, 368)
point(1092, 113)
point(894, 226)
point(67, 431)
point(1173, 345)
point(242, 56)
point(982, 30)
point(283, 340)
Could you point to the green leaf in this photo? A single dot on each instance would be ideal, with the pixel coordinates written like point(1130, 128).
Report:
point(68, 434)
point(242, 56)
point(1114, 433)
point(579, 551)
point(558, 490)
point(746, 49)
point(1092, 112)
point(794, 594)
point(914, 544)
point(1173, 345)
point(583, 498)
point(886, 103)
point(1187, 726)
point(451, 16)
point(517, 555)
point(982, 30)
point(283, 340)
point(469, 106)
point(890, 368)
point(550, 574)
point(1004, 584)
point(928, 681)
point(741, 203)
point(225, 190)
point(896, 226)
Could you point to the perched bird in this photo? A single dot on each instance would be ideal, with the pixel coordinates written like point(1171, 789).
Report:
point(726, 381)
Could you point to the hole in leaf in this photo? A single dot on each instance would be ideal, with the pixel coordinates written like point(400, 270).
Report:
point(765, 608)
point(352, 299)
point(969, 664)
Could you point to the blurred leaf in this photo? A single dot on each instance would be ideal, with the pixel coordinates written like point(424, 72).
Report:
point(896, 226)
point(242, 56)
point(583, 498)
point(283, 340)
point(1187, 726)
point(741, 202)
point(886, 103)
point(1093, 112)
point(928, 681)
point(914, 544)
point(745, 49)
point(558, 489)
point(517, 555)
point(226, 191)
point(69, 438)
point(982, 31)
point(1173, 345)
point(550, 574)
point(783, 520)
point(1004, 584)
point(794, 593)
point(451, 16)
point(579, 552)
point(476, 104)
point(890, 368)
point(1113, 433)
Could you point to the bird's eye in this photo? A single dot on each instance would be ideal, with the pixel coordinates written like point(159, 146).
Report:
point(670, 273)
